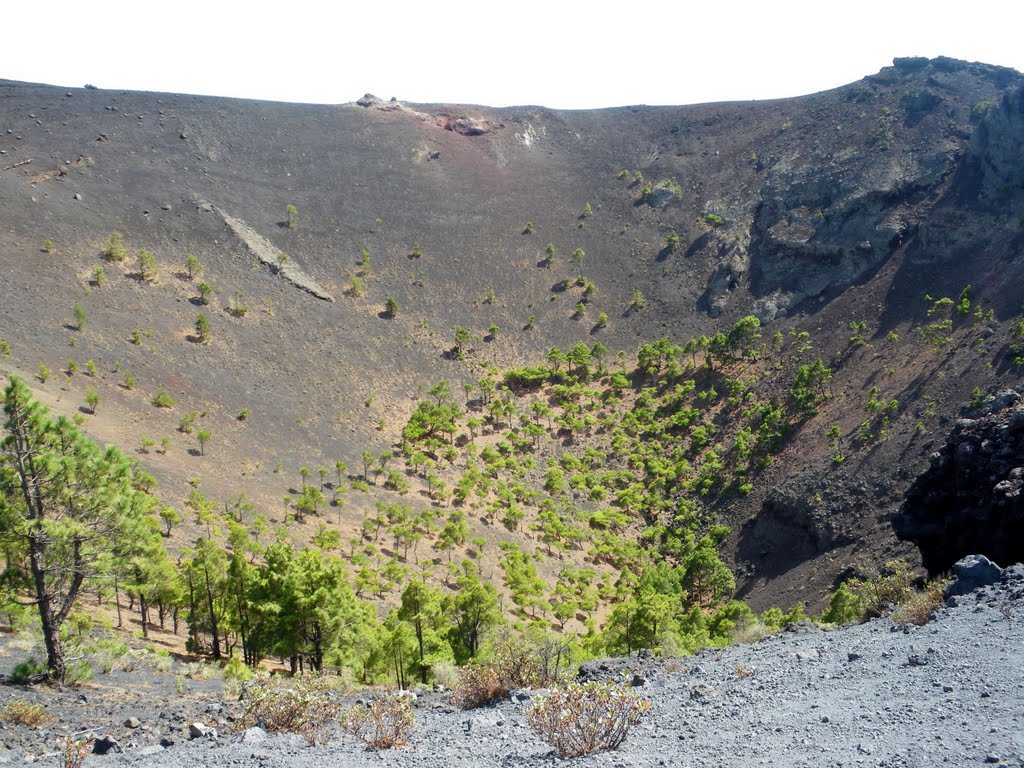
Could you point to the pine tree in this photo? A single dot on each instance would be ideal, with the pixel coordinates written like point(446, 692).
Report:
point(424, 610)
point(192, 266)
point(202, 328)
point(69, 512)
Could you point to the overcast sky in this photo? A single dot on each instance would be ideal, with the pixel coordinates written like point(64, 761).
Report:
point(556, 53)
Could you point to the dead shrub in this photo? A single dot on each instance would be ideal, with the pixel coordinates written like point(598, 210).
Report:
point(519, 662)
point(478, 686)
point(21, 712)
point(383, 723)
point(73, 751)
point(743, 671)
point(579, 719)
point(516, 665)
point(304, 705)
point(918, 608)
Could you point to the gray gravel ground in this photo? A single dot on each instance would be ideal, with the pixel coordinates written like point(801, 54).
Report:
point(948, 693)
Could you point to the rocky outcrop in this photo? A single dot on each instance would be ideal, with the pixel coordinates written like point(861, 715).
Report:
point(970, 498)
point(828, 216)
point(993, 170)
point(465, 125)
point(820, 228)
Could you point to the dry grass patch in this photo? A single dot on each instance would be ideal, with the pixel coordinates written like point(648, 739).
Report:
point(21, 712)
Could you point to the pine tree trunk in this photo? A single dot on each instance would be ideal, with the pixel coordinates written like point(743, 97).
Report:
point(214, 629)
point(56, 668)
point(144, 616)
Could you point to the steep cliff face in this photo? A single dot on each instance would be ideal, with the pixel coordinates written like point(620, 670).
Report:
point(831, 207)
point(993, 170)
point(970, 498)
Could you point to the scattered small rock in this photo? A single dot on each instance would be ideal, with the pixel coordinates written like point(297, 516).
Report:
point(703, 693)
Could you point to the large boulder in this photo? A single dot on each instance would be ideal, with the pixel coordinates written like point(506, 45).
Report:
point(970, 573)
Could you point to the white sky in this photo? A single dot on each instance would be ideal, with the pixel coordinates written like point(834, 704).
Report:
point(557, 53)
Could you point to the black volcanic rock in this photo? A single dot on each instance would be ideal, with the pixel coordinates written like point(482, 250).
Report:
point(969, 499)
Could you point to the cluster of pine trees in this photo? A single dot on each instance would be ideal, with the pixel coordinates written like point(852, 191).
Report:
point(74, 518)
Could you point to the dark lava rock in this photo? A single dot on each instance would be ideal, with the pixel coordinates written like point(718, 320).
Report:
point(637, 664)
point(969, 499)
point(105, 745)
point(661, 197)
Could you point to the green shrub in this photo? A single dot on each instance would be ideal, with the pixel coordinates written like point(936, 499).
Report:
point(115, 250)
point(80, 316)
point(162, 400)
point(205, 290)
point(238, 308)
point(78, 672)
point(238, 670)
point(918, 608)
point(192, 266)
point(580, 719)
point(202, 326)
point(890, 589)
point(28, 671)
point(888, 593)
point(147, 266)
point(843, 608)
point(108, 653)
